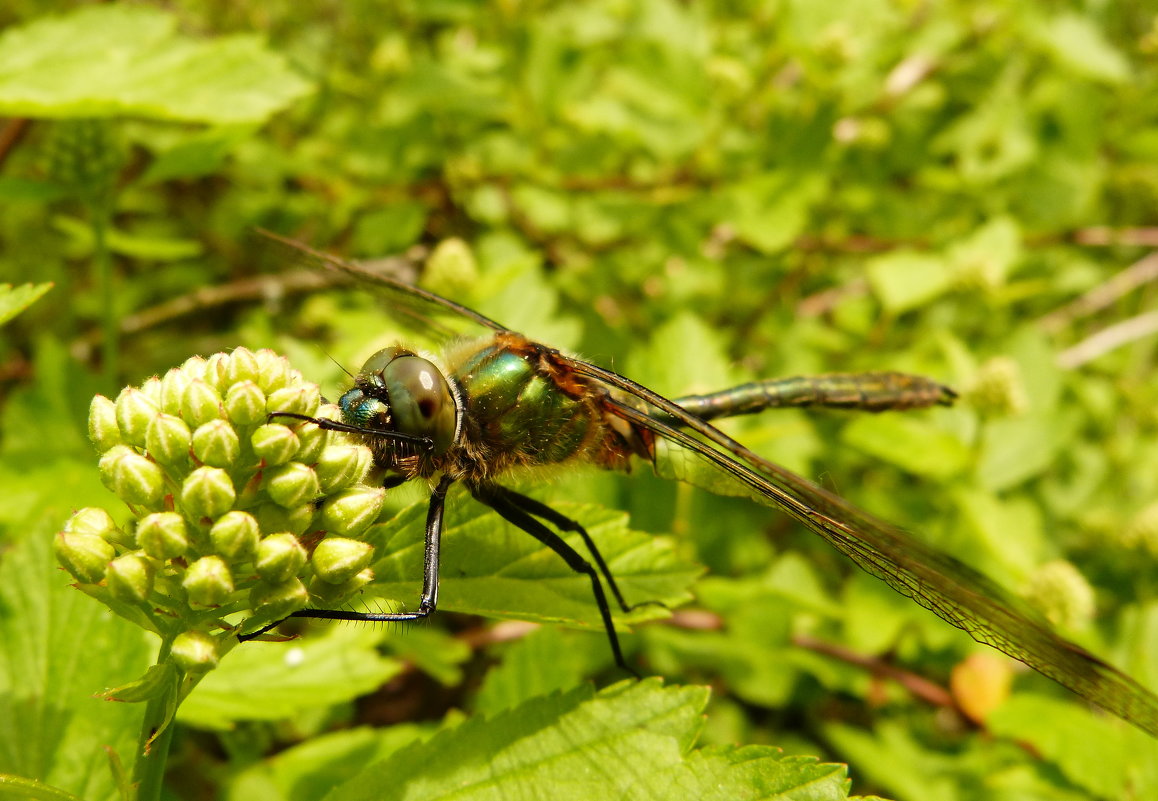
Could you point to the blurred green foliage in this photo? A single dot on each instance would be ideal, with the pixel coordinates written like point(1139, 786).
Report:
point(690, 193)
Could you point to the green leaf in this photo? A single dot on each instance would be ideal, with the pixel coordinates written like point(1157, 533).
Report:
point(916, 445)
point(906, 280)
point(60, 651)
point(1075, 42)
point(156, 248)
point(769, 212)
point(491, 568)
point(632, 740)
point(14, 300)
point(1108, 758)
point(19, 787)
point(118, 60)
point(545, 661)
point(271, 681)
point(201, 153)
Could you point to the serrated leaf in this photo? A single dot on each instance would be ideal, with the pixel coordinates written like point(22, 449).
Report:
point(15, 299)
point(583, 745)
point(60, 650)
point(493, 569)
point(271, 681)
point(118, 60)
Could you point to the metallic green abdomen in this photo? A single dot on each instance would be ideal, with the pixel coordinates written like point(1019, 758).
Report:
point(512, 406)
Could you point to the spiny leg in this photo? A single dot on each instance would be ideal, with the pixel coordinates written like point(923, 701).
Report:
point(498, 498)
point(564, 523)
point(428, 601)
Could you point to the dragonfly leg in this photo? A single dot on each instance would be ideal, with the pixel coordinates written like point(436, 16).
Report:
point(428, 601)
point(500, 499)
point(564, 523)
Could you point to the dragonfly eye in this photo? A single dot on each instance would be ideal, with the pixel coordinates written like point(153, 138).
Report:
point(420, 400)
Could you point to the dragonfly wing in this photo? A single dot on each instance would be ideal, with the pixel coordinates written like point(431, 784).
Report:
point(706, 457)
point(419, 309)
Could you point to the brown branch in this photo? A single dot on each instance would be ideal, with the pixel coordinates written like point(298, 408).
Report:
point(1109, 339)
point(918, 686)
point(1137, 274)
point(11, 135)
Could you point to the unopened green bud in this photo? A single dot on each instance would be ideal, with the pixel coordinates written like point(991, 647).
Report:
point(352, 511)
point(94, 520)
point(134, 413)
point(163, 536)
point(276, 600)
point(451, 267)
point(138, 481)
point(296, 520)
point(168, 440)
point(216, 444)
point(336, 560)
point(339, 466)
point(1062, 593)
point(130, 578)
point(85, 556)
point(242, 366)
point(195, 651)
point(208, 581)
point(207, 492)
point(326, 594)
point(274, 444)
point(151, 389)
point(194, 367)
point(200, 403)
point(279, 558)
point(245, 403)
point(292, 484)
point(272, 370)
point(998, 388)
point(215, 368)
point(1141, 531)
point(107, 466)
point(103, 429)
point(235, 535)
point(173, 387)
point(299, 399)
point(312, 440)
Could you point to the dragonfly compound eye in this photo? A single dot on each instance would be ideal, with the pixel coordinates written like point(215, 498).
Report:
point(420, 400)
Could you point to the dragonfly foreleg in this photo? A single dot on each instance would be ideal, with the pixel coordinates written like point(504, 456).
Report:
point(428, 601)
point(520, 511)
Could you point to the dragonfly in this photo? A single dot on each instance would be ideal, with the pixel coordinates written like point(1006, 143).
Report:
point(499, 402)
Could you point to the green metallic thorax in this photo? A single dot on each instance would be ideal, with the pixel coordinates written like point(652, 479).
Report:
point(514, 407)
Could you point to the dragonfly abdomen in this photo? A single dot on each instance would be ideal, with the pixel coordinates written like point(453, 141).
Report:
point(873, 392)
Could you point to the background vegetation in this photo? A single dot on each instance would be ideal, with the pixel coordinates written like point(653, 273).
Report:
point(690, 193)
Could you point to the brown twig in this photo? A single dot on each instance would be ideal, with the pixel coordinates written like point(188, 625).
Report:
point(1137, 274)
point(11, 134)
point(1108, 339)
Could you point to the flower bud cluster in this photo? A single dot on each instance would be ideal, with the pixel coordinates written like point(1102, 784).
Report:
point(233, 512)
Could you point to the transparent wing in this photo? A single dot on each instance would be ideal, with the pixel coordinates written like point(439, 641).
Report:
point(955, 592)
point(420, 310)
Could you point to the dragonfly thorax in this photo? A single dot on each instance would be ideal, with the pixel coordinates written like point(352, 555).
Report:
point(401, 392)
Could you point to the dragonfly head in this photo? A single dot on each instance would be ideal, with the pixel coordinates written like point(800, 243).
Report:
point(399, 391)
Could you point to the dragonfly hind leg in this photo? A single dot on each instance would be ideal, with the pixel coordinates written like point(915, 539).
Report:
point(564, 523)
point(521, 511)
